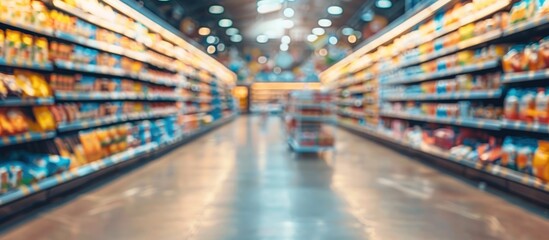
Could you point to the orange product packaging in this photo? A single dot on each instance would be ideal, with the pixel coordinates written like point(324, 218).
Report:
point(540, 165)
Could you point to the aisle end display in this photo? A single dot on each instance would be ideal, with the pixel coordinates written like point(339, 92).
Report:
point(307, 114)
point(469, 90)
point(87, 84)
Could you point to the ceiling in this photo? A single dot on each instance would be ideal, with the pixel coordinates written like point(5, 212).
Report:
point(251, 24)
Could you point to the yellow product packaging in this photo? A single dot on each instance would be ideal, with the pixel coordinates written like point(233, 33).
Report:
point(540, 164)
point(25, 53)
point(2, 43)
point(44, 118)
point(5, 125)
point(40, 51)
point(12, 45)
point(23, 82)
point(40, 15)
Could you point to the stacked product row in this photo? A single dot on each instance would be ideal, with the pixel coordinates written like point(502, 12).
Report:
point(461, 88)
point(84, 87)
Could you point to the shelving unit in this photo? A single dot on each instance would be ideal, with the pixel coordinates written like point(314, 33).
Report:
point(167, 93)
point(422, 88)
point(306, 112)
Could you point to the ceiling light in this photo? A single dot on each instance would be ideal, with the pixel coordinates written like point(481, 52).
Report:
point(225, 22)
point(367, 16)
point(323, 52)
point(212, 39)
point(236, 38)
point(262, 59)
point(347, 31)
point(221, 47)
point(318, 31)
point(284, 47)
point(324, 22)
point(285, 39)
point(332, 40)
point(335, 10)
point(289, 12)
point(216, 9)
point(210, 49)
point(312, 37)
point(231, 31)
point(351, 39)
point(287, 23)
point(384, 4)
point(262, 38)
point(204, 31)
point(267, 6)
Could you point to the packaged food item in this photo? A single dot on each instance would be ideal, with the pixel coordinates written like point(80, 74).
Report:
point(509, 153)
point(13, 45)
point(542, 106)
point(525, 155)
point(540, 165)
point(44, 118)
point(40, 51)
point(2, 42)
point(527, 106)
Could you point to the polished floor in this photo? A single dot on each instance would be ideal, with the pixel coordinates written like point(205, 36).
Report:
point(241, 182)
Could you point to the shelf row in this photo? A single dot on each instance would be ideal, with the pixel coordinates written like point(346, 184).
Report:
point(97, 96)
point(465, 122)
point(491, 64)
point(492, 169)
point(97, 166)
point(480, 94)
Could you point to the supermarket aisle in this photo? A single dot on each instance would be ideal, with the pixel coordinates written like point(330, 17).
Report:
point(241, 182)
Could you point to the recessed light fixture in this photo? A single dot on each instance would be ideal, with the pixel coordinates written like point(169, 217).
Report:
point(347, 31)
point(204, 31)
point(211, 49)
point(262, 38)
point(312, 37)
point(335, 10)
point(287, 23)
point(262, 59)
point(231, 31)
point(267, 6)
point(216, 9)
point(367, 16)
point(284, 47)
point(318, 31)
point(351, 39)
point(236, 38)
point(225, 22)
point(324, 22)
point(332, 40)
point(323, 52)
point(285, 39)
point(384, 3)
point(221, 47)
point(212, 39)
point(288, 12)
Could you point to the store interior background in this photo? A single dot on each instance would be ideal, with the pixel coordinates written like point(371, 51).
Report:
point(389, 113)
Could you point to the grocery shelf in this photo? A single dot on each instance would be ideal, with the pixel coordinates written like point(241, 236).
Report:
point(307, 149)
point(525, 126)
point(469, 43)
point(84, 124)
point(353, 80)
point(310, 105)
point(12, 102)
point(26, 27)
point(96, 96)
point(350, 102)
point(97, 166)
point(491, 169)
point(465, 122)
point(480, 94)
point(75, 173)
point(361, 90)
point(521, 77)
point(311, 118)
point(445, 73)
point(25, 138)
point(539, 21)
point(89, 68)
point(356, 114)
point(31, 66)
